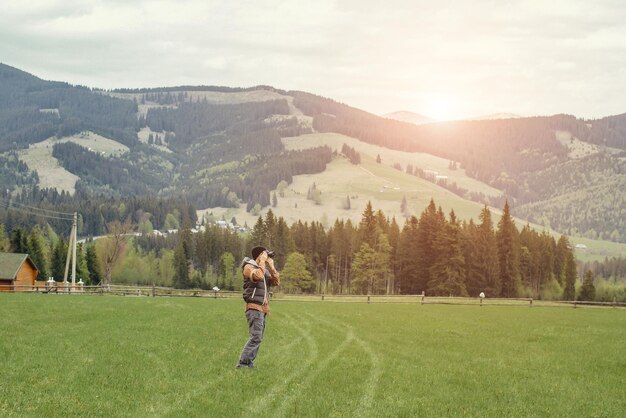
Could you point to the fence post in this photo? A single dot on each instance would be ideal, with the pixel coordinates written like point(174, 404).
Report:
point(322, 298)
point(368, 298)
point(574, 304)
point(531, 302)
point(423, 295)
point(153, 290)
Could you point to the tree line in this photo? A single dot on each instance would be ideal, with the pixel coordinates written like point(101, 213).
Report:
point(95, 212)
point(436, 253)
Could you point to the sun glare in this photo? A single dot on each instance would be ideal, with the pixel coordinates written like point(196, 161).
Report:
point(440, 107)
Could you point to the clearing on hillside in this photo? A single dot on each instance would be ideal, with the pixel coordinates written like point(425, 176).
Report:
point(38, 157)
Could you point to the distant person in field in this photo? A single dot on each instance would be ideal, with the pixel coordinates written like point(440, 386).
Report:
point(259, 275)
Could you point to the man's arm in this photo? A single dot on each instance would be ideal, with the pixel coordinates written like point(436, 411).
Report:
point(253, 273)
point(275, 279)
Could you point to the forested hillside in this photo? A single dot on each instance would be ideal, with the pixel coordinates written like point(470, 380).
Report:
point(32, 110)
point(229, 152)
point(521, 156)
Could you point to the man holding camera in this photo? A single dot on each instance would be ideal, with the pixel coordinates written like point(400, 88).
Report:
point(259, 275)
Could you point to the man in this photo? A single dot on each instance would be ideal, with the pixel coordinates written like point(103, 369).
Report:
point(259, 275)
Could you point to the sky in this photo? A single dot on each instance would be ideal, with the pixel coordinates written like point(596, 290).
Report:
point(443, 59)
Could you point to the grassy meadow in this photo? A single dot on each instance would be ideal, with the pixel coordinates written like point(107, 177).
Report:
point(65, 355)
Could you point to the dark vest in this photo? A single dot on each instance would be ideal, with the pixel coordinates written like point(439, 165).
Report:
point(254, 292)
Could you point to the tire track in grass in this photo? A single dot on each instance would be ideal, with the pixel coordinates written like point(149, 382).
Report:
point(319, 367)
point(375, 370)
point(372, 382)
point(262, 402)
point(178, 408)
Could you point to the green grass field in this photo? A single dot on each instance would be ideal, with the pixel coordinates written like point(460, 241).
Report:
point(66, 355)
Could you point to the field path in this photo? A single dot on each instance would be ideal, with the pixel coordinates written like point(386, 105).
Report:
point(375, 371)
point(312, 374)
point(262, 402)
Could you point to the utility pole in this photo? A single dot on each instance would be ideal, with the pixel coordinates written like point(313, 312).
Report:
point(74, 230)
point(71, 252)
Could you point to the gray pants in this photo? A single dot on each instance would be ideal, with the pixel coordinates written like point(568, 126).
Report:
point(256, 326)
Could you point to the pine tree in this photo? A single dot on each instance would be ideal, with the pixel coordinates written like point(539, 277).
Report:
point(482, 261)
point(368, 227)
point(447, 273)
point(82, 272)
point(569, 292)
point(283, 243)
point(560, 257)
point(4, 242)
point(19, 241)
point(508, 253)
point(403, 205)
point(95, 274)
point(270, 229)
point(57, 264)
point(181, 267)
point(430, 224)
point(258, 235)
point(394, 241)
point(407, 264)
point(588, 290)
point(36, 253)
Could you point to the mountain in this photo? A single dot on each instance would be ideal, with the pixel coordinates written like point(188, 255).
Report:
point(495, 116)
point(410, 117)
point(216, 146)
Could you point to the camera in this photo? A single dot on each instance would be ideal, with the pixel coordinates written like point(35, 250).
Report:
point(271, 253)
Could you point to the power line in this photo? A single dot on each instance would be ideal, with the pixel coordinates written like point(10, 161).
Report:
point(45, 210)
point(9, 205)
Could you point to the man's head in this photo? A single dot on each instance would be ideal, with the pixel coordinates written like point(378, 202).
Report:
point(256, 252)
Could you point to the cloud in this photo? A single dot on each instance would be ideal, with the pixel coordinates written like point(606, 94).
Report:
point(527, 57)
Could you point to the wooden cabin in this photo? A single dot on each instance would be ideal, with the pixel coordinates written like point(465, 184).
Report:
point(16, 270)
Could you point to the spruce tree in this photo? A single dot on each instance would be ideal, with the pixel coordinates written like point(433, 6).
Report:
point(560, 258)
point(588, 290)
point(482, 263)
point(569, 292)
point(447, 273)
point(57, 264)
point(368, 227)
point(407, 263)
point(36, 252)
point(181, 267)
point(258, 236)
point(283, 243)
point(19, 241)
point(270, 229)
point(508, 253)
point(95, 274)
point(4, 242)
point(430, 224)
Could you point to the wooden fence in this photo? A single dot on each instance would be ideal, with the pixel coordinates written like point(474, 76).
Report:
point(157, 291)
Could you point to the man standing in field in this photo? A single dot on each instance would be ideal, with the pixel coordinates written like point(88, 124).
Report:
point(259, 275)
